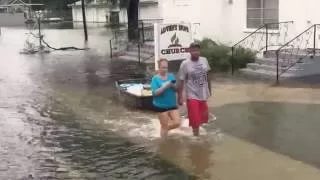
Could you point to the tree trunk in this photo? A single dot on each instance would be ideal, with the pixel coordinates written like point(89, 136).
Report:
point(133, 15)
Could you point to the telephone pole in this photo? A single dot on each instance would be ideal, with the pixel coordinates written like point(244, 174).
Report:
point(84, 20)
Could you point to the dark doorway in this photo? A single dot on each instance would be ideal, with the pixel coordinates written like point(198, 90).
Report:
point(114, 18)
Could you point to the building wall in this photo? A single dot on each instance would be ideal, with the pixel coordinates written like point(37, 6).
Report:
point(123, 16)
point(149, 12)
point(12, 19)
point(226, 22)
point(76, 14)
point(93, 14)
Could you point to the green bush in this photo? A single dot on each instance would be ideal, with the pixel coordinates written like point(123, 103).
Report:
point(219, 56)
point(242, 57)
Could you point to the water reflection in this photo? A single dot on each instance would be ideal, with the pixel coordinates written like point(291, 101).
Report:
point(287, 128)
point(200, 155)
point(52, 113)
point(194, 155)
point(63, 108)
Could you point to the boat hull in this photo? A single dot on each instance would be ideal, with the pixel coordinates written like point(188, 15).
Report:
point(132, 100)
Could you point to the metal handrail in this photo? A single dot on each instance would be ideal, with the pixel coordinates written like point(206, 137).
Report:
point(314, 25)
point(261, 27)
point(141, 34)
point(265, 26)
point(293, 39)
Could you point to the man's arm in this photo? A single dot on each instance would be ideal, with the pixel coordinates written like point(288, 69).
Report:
point(209, 83)
point(182, 76)
point(209, 77)
point(180, 88)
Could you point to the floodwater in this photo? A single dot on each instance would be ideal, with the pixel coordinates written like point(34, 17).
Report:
point(60, 119)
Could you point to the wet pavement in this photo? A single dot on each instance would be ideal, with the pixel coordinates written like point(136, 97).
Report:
point(60, 119)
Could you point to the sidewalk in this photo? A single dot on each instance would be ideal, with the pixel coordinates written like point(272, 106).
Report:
point(271, 132)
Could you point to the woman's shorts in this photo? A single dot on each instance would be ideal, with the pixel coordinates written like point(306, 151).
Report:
point(161, 110)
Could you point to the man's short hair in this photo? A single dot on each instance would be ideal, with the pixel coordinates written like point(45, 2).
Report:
point(194, 45)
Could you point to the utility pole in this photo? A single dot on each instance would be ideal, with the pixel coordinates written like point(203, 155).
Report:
point(30, 10)
point(39, 31)
point(84, 20)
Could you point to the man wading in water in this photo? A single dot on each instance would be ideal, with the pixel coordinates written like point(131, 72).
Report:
point(193, 75)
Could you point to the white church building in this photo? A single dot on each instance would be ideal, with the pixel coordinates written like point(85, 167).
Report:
point(98, 12)
point(265, 26)
point(228, 21)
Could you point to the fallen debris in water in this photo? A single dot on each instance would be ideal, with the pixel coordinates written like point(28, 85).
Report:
point(34, 51)
point(31, 48)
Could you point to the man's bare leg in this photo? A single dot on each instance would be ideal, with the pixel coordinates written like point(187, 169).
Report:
point(196, 131)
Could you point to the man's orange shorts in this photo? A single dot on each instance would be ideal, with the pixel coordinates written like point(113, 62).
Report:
point(197, 112)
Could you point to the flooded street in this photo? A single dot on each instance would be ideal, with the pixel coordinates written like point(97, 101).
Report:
point(60, 119)
point(53, 119)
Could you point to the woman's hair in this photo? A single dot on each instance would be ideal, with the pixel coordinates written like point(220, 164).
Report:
point(161, 60)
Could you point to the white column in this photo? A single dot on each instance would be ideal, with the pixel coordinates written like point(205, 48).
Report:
point(156, 45)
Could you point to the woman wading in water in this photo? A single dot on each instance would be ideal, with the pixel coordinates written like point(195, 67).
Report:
point(164, 98)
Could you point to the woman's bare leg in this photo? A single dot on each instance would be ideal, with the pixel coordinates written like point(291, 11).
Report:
point(174, 121)
point(163, 118)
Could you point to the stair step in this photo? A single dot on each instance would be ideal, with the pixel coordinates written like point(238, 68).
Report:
point(283, 63)
point(255, 66)
point(128, 58)
point(143, 55)
point(143, 45)
point(143, 50)
point(264, 73)
point(135, 59)
point(285, 55)
point(149, 43)
point(267, 61)
point(272, 62)
point(146, 46)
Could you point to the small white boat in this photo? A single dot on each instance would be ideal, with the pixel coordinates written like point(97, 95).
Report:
point(135, 93)
point(54, 19)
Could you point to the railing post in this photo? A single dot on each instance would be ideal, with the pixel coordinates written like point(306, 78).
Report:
point(266, 37)
point(277, 54)
point(314, 40)
point(110, 45)
point(232, 60)
point(142, 31)
point(139, 52)
point(39, 31)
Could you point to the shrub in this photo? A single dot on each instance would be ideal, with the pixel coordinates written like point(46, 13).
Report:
point(242, 57)
point(219, 55)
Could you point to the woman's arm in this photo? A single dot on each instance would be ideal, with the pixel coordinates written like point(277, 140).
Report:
point(160, 90)
point(156, 89)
